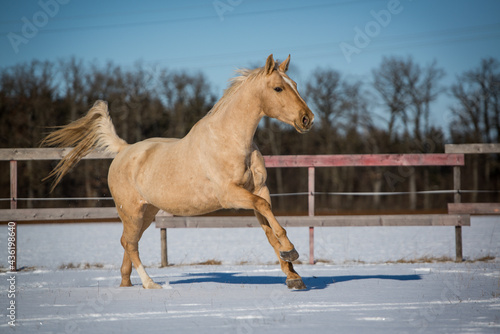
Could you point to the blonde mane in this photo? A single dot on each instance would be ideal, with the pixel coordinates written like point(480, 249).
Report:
point(244, 75)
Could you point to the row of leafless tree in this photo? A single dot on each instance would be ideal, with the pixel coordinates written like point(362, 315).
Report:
point(148, 101)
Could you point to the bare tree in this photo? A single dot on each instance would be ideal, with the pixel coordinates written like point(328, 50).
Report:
point(422, 89)
point(324, 92)
point(407, 90)
point(389, 83)
point(341, 109)
point(147, 100)
point(476, 113)
point(187, 99)
point(27, 94)
point(73, 86)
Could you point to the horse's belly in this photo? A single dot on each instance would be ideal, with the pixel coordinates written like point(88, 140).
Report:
point(189, 210)
point(181, 194)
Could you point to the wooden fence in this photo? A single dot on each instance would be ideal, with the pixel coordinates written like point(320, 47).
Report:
point(317, 161)
point(460, 217)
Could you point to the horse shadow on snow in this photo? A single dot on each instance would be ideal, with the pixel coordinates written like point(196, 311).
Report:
point(312, 282)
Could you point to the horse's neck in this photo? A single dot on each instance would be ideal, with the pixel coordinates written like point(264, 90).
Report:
point(237, 121)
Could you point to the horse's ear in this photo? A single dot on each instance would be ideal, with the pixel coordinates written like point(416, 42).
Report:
point(269, 68)
point(284, 65)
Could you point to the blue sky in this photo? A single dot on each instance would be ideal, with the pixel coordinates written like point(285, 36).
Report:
point(218, 36)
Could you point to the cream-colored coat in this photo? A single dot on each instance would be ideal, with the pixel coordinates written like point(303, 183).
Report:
point(216, 165)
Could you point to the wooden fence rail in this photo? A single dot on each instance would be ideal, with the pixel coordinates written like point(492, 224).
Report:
point(465, 149)
point(163, 220)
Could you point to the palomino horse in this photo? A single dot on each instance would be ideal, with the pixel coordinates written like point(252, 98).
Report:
point(216, 165)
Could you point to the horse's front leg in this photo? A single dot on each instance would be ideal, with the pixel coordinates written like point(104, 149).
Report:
point(236, 197)
point(293, 279)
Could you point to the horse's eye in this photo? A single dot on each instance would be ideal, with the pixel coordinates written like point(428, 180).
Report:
point(278, 89)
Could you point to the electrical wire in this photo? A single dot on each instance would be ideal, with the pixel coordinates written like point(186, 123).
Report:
point(386, 193)
point(195, 18)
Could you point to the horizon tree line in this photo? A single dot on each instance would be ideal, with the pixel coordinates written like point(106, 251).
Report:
point(147, 101)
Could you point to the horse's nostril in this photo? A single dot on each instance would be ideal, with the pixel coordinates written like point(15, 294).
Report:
point(305, 120)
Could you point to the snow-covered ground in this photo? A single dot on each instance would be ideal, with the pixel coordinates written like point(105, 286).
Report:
point(356, 292)
point(52, 245)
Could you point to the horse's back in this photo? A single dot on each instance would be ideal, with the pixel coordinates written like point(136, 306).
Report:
point(133, 158)
point(129, 163)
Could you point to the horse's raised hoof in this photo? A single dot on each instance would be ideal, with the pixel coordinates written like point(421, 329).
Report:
point(295, 284)
point(289, 256)
point(152, 285)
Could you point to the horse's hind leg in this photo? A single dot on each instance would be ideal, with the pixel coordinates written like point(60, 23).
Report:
point(133, 228)
point(126, 269)
point(293, 280)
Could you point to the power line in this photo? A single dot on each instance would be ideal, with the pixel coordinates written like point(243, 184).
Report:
point(190, 19)
point(114, 14)
point(444, 32)
point(454, 35)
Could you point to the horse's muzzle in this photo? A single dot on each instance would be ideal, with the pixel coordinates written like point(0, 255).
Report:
point(305, 123)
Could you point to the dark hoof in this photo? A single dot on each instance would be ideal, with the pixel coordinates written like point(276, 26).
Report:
point(295, 284)
point(289, 256)
point(125, 285)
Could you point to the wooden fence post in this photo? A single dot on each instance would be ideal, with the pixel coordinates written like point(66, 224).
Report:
point(164, 251)
point(311, 213)
point(13, 205)
point(458, 229)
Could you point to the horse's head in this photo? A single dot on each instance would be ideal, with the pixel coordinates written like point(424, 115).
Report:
point(280, 98)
